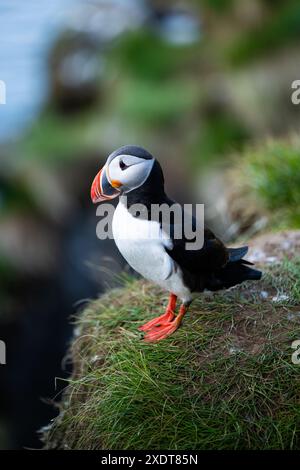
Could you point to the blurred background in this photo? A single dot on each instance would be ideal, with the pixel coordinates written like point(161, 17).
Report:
point(205, 85)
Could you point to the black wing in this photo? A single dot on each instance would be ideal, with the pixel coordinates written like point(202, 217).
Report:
point(213, 255)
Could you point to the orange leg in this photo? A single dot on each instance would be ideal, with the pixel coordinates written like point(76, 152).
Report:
point(157, 333)
point(166, 317)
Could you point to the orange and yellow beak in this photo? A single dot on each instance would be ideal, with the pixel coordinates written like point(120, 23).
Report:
point(102, 189)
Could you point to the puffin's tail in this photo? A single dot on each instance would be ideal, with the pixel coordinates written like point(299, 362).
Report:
point(236, 271)
point(236, 254)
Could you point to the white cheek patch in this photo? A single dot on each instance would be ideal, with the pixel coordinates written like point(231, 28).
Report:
point(136, 173)
point(130, 160)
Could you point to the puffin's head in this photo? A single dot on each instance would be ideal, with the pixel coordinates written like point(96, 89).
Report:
point(125, 169)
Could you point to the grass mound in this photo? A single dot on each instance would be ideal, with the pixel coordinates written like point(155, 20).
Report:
point(224, 380)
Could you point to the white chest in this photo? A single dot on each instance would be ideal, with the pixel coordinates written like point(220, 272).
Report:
point(142, 244)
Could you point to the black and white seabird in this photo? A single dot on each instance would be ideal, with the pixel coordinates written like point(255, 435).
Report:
point(136, 177)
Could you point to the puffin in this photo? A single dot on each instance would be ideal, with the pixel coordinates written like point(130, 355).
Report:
point(150, 246)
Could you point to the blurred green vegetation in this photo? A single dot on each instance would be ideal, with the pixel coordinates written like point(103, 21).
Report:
point(275, 174)
point(154, 91)
point(220, 135)
point(15, 197)
point(148, 104)
point(280, 28)
point(146, 56)
point(56, 137)
point(272, 174)
point(219, 6)
point(153, 83)
point(180, 98)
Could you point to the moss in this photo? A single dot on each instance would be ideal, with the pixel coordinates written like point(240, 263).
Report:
point(224, 380)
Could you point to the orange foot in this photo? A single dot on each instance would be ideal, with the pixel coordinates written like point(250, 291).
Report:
point(162, 331)
point(158, 321)
point(167, 317)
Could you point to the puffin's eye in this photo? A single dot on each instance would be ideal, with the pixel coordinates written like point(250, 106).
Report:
point(122, 165)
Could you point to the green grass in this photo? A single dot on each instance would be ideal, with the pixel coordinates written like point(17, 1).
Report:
point(224, 380)
point(271, 174)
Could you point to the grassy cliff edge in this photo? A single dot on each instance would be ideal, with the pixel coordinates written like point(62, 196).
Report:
point(224, 380)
